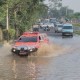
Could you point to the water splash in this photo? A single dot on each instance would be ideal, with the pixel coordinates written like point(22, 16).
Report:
point(49, 50)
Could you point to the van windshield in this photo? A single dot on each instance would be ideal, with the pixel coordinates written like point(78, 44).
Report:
point(27, 39)
point(67, 27)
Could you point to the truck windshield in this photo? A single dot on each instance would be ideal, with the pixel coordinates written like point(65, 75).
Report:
point(27, 39)
point(67, 27)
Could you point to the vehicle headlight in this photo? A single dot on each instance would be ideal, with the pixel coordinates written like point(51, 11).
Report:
point(29, 48)
point(25, 48)
point(18, 48)
point(14, 50)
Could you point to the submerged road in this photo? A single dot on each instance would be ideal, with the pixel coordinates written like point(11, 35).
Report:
point(61, 67)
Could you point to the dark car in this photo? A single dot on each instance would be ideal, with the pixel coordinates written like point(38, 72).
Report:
point(35, 29)
point(46, 28)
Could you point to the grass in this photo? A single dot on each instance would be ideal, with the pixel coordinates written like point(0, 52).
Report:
point(77, 32)
point(76, 25)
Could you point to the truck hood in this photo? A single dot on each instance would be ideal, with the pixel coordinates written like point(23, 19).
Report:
point(67, 30)
point(35, 44)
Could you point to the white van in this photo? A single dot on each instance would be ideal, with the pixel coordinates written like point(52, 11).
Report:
point(67, 30)
point(58, 28)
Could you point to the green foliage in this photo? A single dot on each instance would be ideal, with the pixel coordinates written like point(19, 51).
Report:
point(1, 36)
point(8, 34)
point(77, 32)
point(11, 33)
point(76, 15)
point(5, 34)
point(22, 13)
point(2, 2)
point(62, 12)
point(77, 24)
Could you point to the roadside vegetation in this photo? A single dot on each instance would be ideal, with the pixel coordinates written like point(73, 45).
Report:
point(78, 29)
point(20, 15)
point(77, 32)
point(76, 22)
point(77, 25)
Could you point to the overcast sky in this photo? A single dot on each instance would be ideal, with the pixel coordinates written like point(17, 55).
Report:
point(72, 4)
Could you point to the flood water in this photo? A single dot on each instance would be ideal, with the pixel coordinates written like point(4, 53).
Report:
point(63, 66)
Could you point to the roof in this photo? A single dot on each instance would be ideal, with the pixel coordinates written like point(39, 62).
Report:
point(59, 24)
point(67, 24)
point(30, 33)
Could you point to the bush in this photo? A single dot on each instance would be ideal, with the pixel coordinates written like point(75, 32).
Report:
point(1, 35)
point(5, 34)
point(11, 33)
point(8, 34)
point(77, 25)
point(77, 32)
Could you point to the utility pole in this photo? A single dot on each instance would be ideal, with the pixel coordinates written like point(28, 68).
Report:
point(7, 18)
point(7, 22)
point(66, 10)
point(15, 24)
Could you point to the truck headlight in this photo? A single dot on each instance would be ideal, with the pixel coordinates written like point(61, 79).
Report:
point(25, 48)
point(29, 48)
point(14, 50)
point(18, 48)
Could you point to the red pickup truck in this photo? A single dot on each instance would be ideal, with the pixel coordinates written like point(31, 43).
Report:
point(29, 42)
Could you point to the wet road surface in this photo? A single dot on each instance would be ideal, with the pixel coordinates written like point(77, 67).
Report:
point(61, 67)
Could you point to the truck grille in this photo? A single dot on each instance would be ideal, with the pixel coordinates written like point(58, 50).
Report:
point(22, 49)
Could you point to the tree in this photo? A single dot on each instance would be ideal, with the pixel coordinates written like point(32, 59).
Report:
point(56, 4)
point(21, 13)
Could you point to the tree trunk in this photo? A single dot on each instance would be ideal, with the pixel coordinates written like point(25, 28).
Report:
point(1, 35)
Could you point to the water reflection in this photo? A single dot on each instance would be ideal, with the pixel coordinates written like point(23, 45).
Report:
point(27, 68)
point(1, 45)
point(14, 67)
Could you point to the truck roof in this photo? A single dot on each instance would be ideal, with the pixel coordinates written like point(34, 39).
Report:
point(33, 34)
point(67, 24)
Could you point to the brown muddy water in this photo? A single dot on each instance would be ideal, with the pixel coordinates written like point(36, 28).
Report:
point(14, 67)
point(57, 61)
point(50, 50)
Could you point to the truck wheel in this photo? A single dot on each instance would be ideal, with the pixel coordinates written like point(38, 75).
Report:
point(62, 34)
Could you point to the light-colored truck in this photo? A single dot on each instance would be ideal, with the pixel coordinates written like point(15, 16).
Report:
point(67, 30)
point(58, 28)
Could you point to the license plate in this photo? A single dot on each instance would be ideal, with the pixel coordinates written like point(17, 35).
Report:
point(22, 52)
point(67, 34)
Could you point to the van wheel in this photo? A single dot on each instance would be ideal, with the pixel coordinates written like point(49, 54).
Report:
point(72, 35)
